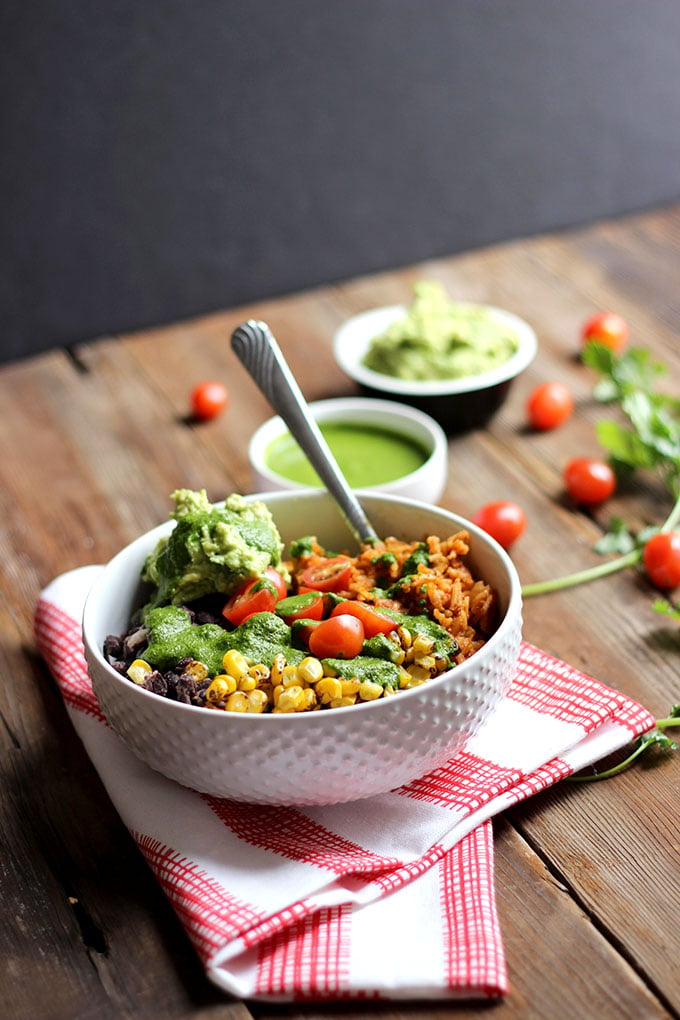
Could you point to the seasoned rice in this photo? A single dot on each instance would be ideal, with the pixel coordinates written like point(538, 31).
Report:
point(443, 588)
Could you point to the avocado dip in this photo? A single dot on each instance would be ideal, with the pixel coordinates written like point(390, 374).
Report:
point(440, 339)
point(212, 548)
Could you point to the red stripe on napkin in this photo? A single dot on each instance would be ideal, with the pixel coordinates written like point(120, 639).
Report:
point(290, 833)
point(207, 910)
point(469, 908)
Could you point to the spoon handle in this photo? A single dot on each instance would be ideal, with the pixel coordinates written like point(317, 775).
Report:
point(256, 348)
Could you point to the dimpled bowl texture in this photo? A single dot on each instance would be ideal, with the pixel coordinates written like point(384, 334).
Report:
point(426, 483)
point(459, 405)
point(321, 757)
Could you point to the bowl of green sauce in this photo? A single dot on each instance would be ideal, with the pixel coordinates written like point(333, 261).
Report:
point(454, 360)
point(380, 445)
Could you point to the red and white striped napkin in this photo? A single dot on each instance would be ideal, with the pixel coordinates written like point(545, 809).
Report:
point(391, 897)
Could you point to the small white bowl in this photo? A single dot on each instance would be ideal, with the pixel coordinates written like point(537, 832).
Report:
point(325, 757)
point(457, 404)
point(426, 483)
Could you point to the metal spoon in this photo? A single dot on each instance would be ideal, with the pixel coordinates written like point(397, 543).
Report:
point(256, 348)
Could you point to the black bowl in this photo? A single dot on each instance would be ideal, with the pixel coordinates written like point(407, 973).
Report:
point(459, 405)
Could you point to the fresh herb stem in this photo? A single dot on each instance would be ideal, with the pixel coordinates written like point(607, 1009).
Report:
point(600, 569)
point(671, 720)
point(582, 576)
point(655, 736)
point(615, 769)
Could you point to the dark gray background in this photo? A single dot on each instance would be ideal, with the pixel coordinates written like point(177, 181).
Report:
point(162, 159)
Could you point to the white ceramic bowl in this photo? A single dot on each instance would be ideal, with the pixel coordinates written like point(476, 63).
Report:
point(321, 757)
point(457, 404)
point(426, 483)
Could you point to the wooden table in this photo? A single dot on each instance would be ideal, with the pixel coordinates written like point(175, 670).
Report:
point(92, 442)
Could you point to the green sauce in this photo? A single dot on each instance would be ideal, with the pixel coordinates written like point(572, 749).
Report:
point(172, 636)
point(367, 455)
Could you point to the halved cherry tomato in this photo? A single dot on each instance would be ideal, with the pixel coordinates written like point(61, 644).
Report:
point(208, 399)
point(549, 405)
point(328, 575)
point(589, 481)
point(340, 637)
point(374, 622)
point(607, 328)
point(256, 596)
point(661, 559)
point(303, 606)
point(274, 576)
point(503, 520)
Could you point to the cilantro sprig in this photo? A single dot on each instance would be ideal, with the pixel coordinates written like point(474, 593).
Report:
point(653, 738)
point(648, 438)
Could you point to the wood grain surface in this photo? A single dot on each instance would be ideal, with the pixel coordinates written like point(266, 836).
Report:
point(93, 441)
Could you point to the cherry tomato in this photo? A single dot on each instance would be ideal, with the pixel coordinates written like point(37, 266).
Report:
point(256, 596)
point(661, 559)
point(303, 606)
point(208, 399)
point(340, 637)
point(549, 405)
point(373, 621)
point(503, 520)
point(589, 481)
point(608, 329)
point(328, 575)
point(274, 576)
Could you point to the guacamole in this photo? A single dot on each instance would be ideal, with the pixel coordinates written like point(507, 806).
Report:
point(439, 339)
point(212, 549)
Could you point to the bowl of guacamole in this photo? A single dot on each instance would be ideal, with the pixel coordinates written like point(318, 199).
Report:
point(454, 360)
point(379, 445)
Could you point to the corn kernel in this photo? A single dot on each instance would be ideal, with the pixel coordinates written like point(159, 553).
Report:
point(343, 702)
point(405, 637)
point(350, 687)
point(237, 702)
point(292, 699)
point(268, 689)
point(311, 700)
point(220, 688)
point(423, 645)
point(235, 663)
point(139, 670)
point(425, 662)
point(369, 690)
point(196, 670)
point(328, 689)
point(276, 694)
point(260, 672)
point(257, 700)
point(310, 670)
point(290, 677)
point(247, 683)
point(278, 667)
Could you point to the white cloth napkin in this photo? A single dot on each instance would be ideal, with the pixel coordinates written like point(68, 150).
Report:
point(391, 897)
